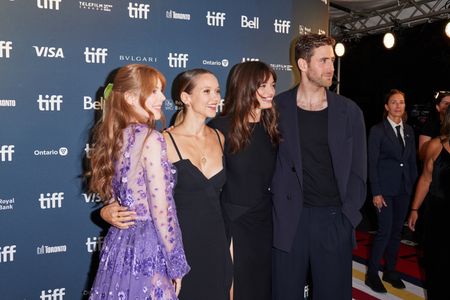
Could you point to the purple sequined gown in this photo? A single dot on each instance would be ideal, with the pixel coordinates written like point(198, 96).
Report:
point(139, 262)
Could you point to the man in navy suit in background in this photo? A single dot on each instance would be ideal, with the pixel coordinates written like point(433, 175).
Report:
point(319, 183)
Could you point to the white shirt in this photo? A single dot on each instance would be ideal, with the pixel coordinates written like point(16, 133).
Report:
point(402, 132)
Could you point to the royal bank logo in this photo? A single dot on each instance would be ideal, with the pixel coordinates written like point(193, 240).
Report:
point(94, 244)
point(302, 29)
point(50, 52)
point(51, 200)
point(55, 294)
point(89, 103)
point(282, 26)
point(5, 49)
point(7, 204)
point(247, 22)
point(178, 60)
point(95, 6)
point(44, 249)
point(95, 55)
point(7, 103)
point(215, 18)
point(222, 63)
point(48, 4)
point(6, 153)
point(171, 14)
point(281, 67)
point(91, 197)
point(62, 151)
point(7, 253)
point(244, 59)
point(138, 10)
point(49, 102)
point(138, 58)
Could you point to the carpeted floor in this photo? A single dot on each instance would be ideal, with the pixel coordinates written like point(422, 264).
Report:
point(408, 265)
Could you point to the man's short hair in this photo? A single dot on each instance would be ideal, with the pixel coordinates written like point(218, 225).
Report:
point(304, 48)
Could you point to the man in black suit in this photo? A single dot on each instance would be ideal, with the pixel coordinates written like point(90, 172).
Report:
point(319, 183)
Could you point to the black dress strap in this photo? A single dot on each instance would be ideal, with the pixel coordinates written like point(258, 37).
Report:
point(220, 141)
point(174, 144)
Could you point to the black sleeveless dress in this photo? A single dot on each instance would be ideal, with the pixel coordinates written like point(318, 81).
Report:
point(197, 199)
point(436, 251)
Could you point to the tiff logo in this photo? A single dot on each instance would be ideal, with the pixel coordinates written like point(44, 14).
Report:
point(88, 149)
point(215, 18)
point(5, 48)
point(53, 200)
point(138, 10)
point(95, 55)
point(48, 4)
point(220, 106)
point(250, 23)
point(282, 26)
point(6, 152)
point(94, 243)
point(56, 294)
point(50, 103)
point(7, 253)
point(178, 60)
point(49, 51)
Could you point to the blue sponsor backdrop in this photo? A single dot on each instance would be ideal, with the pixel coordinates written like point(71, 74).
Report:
point(55, 57)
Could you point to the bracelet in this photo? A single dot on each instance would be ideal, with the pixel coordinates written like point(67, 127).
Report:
point(414, 209)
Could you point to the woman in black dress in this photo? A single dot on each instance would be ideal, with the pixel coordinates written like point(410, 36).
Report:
point(249, 123)
point(435, 180)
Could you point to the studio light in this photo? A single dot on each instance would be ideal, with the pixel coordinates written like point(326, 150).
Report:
point(389, 40)
point(447, 29)
point(339, 49)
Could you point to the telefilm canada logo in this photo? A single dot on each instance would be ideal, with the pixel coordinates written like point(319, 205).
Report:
point(302, 29)
point(48, 4)
point(5, 49)
point(95, 6)
point(7, 204)
point(281, 67)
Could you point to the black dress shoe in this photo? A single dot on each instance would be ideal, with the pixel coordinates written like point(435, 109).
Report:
point(374, 282)
point(394, 279)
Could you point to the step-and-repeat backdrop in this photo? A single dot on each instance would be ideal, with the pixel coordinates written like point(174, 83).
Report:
point(55, 57)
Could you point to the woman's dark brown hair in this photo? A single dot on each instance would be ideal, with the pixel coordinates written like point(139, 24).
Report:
point(240, 102)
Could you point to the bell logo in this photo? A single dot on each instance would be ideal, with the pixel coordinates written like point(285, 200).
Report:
point(53, 200)
point(94, 244)
point(49, 52)
point(282, 26)
point(50, 103)
point(88, 149)
point(252, 23)
point(178, 60)
point(5, 48)
point(56, 294)
point(215, 18)
point(6, 152)
point(7, 253)
point(48, 4)
point(138, 10)
point(89, 103)
point(95, 55)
